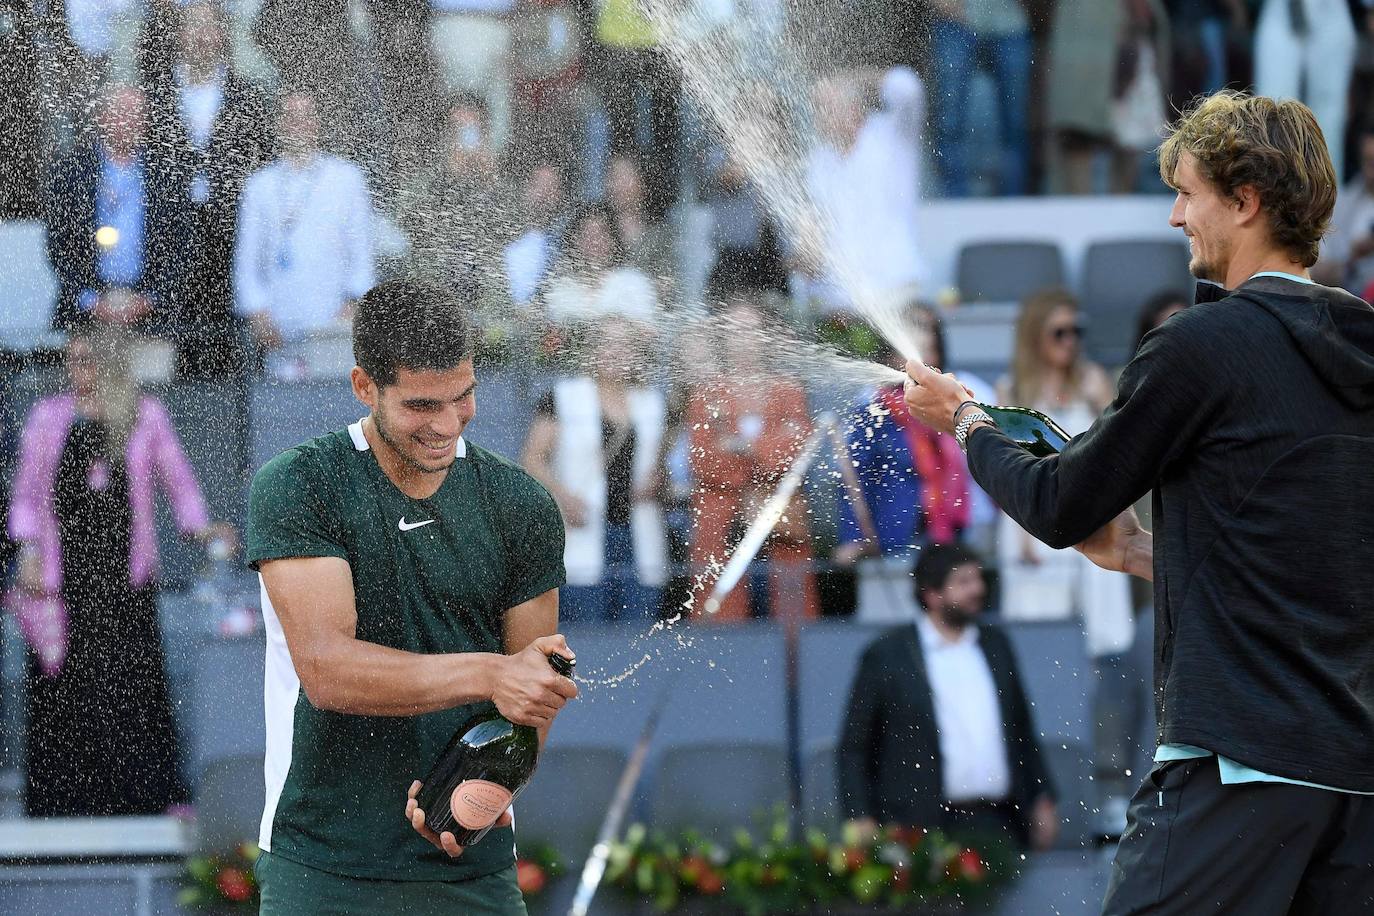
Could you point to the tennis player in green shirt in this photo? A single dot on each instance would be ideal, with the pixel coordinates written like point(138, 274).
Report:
point(410, 578)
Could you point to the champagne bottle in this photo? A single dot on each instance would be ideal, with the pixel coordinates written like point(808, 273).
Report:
point(484, 767)
point(1030, 429)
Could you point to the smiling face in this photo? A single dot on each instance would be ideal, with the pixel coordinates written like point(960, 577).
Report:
point(420, 416)
point(1207, 218)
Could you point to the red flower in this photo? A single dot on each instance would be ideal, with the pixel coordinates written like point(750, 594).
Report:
point(693, 868)
point(855, 858)
point(971, 867)
point(901, 878)
point(710, 882)
point(233, 883)
point(531, 877)
point(910, 837)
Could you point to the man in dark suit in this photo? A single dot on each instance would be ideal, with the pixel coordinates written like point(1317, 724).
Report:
point(213, 130)
point(109, 220)
point(938, 732)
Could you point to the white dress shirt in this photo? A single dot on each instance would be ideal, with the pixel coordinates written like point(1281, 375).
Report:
point(304, 245)
point(870, 194)
point(200, 104)
point(973, 750)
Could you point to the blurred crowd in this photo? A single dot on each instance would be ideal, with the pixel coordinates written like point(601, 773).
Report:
point(231, 180)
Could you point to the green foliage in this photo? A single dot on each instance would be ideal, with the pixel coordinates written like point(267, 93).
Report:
point(221, 880)
point(898, 869)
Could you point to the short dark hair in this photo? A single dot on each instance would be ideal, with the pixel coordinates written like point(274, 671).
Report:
point(936, 562)
point(1156, 305)
point(401, 324)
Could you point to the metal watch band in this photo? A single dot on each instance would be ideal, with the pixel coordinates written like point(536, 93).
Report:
point(961, 431)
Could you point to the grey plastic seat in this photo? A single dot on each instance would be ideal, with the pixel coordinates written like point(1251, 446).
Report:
point(717, 788)
point(1118, 278)
point(1057, 676)
point(227, 701)
point(566, 801)
point(1071, 769)
point(28, 287)
point(828, 658)
point(211, 421)
point(285, 414)
point(229, 802)
point(820, 789)
point(1007, 271)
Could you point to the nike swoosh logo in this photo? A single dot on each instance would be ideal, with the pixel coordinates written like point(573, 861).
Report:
point(413, 525)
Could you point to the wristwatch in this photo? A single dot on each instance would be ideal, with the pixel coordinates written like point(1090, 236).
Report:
point(966, 423)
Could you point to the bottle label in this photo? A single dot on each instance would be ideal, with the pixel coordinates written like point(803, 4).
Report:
point(477, 803)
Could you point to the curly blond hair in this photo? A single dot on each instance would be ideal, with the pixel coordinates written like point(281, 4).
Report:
point(1277, 148)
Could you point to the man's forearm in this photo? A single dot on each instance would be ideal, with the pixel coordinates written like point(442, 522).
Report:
point(1140, 556)
point(363, 678)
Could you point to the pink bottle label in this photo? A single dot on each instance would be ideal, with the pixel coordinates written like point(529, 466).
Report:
point(477, 803)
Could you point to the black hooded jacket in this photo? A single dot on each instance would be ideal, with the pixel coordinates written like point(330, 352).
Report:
point(1252, 419)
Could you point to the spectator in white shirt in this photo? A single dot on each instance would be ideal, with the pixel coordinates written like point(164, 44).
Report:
point(471, 43)
point(213, 129)
point(864, 180)
point(1305, 49)
point(530, 254)
point(304, 246)
point(938, 732)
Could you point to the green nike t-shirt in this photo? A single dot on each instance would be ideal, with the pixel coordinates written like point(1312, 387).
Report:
point(429, 576)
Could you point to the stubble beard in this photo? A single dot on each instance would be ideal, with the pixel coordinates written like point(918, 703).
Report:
point(380, 423)
point(957, 615)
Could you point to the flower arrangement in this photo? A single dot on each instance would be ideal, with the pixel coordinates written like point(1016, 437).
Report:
point(218, 881)
point(535, 866)
point(227, 880)
point(900, 868)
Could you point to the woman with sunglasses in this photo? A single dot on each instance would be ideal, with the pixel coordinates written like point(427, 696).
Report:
point(1050, 373)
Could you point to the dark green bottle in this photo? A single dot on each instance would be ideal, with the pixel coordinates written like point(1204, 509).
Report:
point(1030, 429)
point(485, 766)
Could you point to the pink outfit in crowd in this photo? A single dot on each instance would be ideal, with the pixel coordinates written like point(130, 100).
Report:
point(154, 453)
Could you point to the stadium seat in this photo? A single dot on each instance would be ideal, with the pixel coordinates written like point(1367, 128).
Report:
point(229, 802)
point(828, 657)
point(1071, 769)
point(820, 793)
point(1062, 882)
point(721, 687)
point(1007, 271)
point(1057, 675)
point(227, 701)
point(1118, 277)
point(285, 414)
point(566, 801)
point(50, 890)
point(212, 423)
point(613, 715)
point(28, 288)
point(716, 788)
point(505, 405)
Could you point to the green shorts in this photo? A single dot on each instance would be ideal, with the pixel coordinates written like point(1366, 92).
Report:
point(292, 889)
